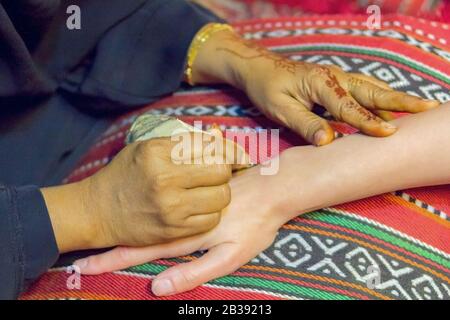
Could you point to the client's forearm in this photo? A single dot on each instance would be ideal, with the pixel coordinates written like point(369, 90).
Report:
point(358, 166)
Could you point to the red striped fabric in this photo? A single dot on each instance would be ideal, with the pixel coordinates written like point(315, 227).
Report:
point(318, 255)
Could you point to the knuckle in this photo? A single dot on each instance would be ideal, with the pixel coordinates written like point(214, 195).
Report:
point(159, 180)
point(147, 147)
point(170, 233)
point(213, 221)
point(223, 171)
point(151, 162)
point(354, 82)
point(141, 153)
point(313, 124)
point(225, 194)
point(188, 276)
point(319, 69)
point(153, 149)
point(375, 93)
point(168, 207)
point(158, 143)
point(318, 74)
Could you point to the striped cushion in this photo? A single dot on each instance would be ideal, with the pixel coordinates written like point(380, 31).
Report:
point(324, 254)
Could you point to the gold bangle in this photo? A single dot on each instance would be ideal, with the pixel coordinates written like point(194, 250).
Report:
point(200, 38)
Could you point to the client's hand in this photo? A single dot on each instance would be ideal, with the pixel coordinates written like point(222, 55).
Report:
point(142, 197)
point(248, 226)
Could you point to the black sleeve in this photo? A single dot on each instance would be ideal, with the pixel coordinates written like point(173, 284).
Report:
point(27, 243)
point(137, 59)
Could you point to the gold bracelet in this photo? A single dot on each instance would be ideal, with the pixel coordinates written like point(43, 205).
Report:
point(200, 38)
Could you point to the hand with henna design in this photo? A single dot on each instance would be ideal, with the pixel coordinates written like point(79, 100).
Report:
point(286, 90)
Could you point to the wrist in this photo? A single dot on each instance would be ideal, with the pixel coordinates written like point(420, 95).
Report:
point(75, 225)
point(301, 187)
point(214, 65)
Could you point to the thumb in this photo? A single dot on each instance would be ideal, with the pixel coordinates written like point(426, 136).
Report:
point(307, 124)
point(234, 153)
point(217, 262)
point(125, 257)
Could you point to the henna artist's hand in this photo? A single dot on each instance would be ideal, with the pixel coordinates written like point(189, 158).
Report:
point(247, 228)
point(286, 90)
point(143, 197)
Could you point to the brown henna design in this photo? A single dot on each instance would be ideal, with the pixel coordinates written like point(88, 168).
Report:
point(367, 115)
point(332, 81)
point(261, 52)
point(355, 82)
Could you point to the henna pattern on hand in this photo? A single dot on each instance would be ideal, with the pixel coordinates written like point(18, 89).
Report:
point(332, 81)
point(369, 116)
point(261, 52)
point(291, 66)
point(355, 82)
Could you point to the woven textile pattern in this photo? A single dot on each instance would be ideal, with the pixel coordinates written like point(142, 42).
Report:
point(331, 253)
point(236, 10)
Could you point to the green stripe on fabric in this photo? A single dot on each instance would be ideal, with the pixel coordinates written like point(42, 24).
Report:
point(350, 223)
point(148, 267)
point(263, 284)
point(371, 52)
point(288, 288)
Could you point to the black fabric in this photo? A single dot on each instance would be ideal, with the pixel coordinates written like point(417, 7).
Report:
point(59, 89)
point(27, 244)
point(128, 47)
point(31, 18)
point(19, 76)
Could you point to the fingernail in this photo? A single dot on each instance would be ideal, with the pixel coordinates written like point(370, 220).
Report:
point(319, 137)
point(81, 263)
point(388, 126)
point(162, 287)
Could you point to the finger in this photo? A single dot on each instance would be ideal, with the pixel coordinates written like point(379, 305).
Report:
point(121, 258)
point(385, 115)
point(233, 153)
point(201, 223)
point(184, 147)
point(242, 159)
point(374, 97)
point(217, 262)
point(345, 108)
point(191, 147)
point(307, 124)
point(205, 200)
point(203, 175)
point(207, 147)
point(370, 79)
